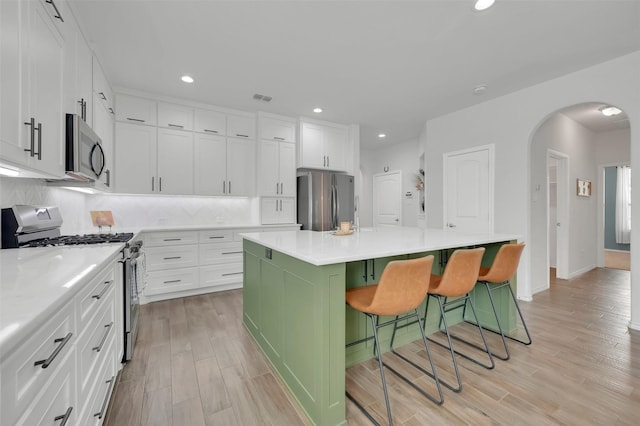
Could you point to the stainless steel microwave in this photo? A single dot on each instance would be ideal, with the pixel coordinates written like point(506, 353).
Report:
point(85, 158)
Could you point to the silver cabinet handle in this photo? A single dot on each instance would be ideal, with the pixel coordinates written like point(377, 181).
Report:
point(104, 98)
point(328, 161)
point(153, 180)
point(64, 417)
point(210, 131)
point(175, 125)
point(57, 15)
point(104, 338)
point(32, 150)
point(46, 362)
point(231, 273)
point(277, 188)
point(241, 136)
point(138, 120)
point(108, 173)
point(172, 257)
point(82, 109)
point(111, 110)
point(229, 187)
point(224, 187)
point(324, 159)
point(278, 139)
point(106, 398)
point(172, 239)
point(281, 188)
point(232, 252)
point(172, 281)
point(280, 205)
point(160, 184)
point(39, 130)
point(373, 269)
point(365, 276)
point(106, 287)
point(216, 236)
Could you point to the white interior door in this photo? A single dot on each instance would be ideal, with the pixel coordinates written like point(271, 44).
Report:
point(561, 220)
point(387, 199)
point(468, 189)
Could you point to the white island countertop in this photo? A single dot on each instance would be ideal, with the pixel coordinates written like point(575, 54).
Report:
point(36, 282)
point(324, 248)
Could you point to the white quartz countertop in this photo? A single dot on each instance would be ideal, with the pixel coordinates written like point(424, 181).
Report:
point(325, 248)
point(173, 228)
point(36, 282)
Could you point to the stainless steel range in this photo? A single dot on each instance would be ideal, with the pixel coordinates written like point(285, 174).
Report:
point(39, 226)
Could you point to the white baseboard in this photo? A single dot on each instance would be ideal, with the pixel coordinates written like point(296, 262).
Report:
point(634, 326)
point(618, 251)
point(581, 271)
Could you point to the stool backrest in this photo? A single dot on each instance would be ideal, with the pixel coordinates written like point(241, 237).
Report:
point(402, 287)
point(505, 264)
point(461, 273)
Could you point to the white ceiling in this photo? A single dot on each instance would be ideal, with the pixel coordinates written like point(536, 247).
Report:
point(386, 65)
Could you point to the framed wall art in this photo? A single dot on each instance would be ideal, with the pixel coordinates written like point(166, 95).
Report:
point(583, 188)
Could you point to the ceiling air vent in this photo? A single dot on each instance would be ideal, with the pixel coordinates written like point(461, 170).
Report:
point(259, 97)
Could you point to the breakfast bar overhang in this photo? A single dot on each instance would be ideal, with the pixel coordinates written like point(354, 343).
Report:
point(294, 301)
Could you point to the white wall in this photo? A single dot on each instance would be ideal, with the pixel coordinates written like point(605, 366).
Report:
point(404, 157)
point(613, 147)
point(564, 135)
point(509, 122)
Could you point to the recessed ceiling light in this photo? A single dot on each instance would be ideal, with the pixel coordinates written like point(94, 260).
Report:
point(382, 135)
point(480, 89)
point(187, 79)
point(483, 4)
point(317, 110)
point(610, 111)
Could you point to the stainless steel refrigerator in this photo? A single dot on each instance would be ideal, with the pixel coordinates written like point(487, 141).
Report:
point(324, 200)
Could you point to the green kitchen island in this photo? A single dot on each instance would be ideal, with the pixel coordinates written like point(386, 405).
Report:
point(294, 301)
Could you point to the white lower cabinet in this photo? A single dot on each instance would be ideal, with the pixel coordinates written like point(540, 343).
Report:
point(54, 376)
point(186, 263)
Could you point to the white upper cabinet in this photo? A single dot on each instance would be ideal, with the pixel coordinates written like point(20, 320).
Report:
point(210, 164)
point(136, 154)
point(78, 72)
point(323, 146)
point(31, 87)
point(175, 162)
point(175, 116)
point(241, 155)
point(278, 130)
point(133, 109)
point(241, 126)
point(211, 122)
point(101, 87)
point(103, 125)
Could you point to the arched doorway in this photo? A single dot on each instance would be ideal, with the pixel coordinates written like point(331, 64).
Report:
point(579, 138)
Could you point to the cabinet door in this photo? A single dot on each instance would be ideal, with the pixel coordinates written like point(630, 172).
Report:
point(101, 85)
point(210, 164)
point(12, 131)
point(84, 71)
point(175, 162)
point(311, 147)
point(132, 109)
point(268, 169)
point(211, 122)
point(278, 130)
point(77, 72)
point(241, 127)
point(287, 210)
point(103, 126)
point(240, 166)
point(135, 159)
point(287, 169)
point(269, 211)
point(45, 63)
point(175, 116)
point(335, 142)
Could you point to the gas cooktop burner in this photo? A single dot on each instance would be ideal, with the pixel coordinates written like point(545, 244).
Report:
point(71, 240)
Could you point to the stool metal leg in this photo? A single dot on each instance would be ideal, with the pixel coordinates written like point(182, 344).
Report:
point(374, 324)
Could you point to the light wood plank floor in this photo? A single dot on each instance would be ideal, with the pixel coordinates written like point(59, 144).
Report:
point(617, 259)
point(194, 364)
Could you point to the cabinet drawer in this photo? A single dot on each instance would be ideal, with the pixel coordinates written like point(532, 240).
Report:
point(214, 275)
point(95, 405)
point(170, 238)
point(95, 294)
point(175, 116)
point(22, 379)
point(171, 257)
point(211, 122)
point(161, 282)
point(92, 345)
point(241, 127)
point(57, 400)
point(215, 236)
point(220, 253)
point(132, 109)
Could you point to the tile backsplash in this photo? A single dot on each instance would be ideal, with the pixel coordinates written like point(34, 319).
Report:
point(129, 211)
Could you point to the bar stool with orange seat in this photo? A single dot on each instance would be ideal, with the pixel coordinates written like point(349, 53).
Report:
point(503, 268)
point(459, 278)
point(402, 288)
